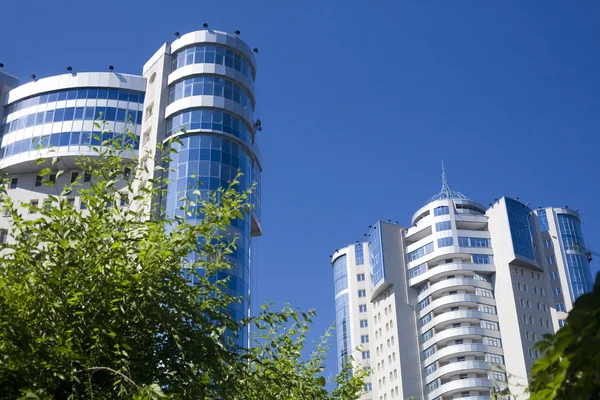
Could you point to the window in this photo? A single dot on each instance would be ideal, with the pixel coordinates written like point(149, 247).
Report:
point(524, 318)
point(82, 206)
point(443, 226)
point(362, 308)
point(456, 325)
point(492, 341)
point(465, 394)
point(3, 236)
point(498, 376)
point(453, 308)
point(362, 293)
point(453, 292)
point(473, 242)
point(364, 338)
point(553, 275)
point(424, 303)
point(445, 242)
point(433, 385)
point(149, 110)
point(6, 212)
point(52, 178)
point(368, 387)
point(484, 293)
point(561, 323)
point(489, 325)
point(458, 341)
point(551, 260)
point(430, 369)
point(487, 309)
point(364, 323)
point(481, 259)
point(366, 355)
point(146, 136)
point(524, 287)
point(359, 257)
point(427, 335)
point(87, 177)
point(556, 291)
point(548, 243)
point(420, 252)
point(360, 277)
point(74, 176)
point(416, 271)
point(425, 319)
point(459, 359)
point(561, 307)
point(428, 352)
point(534, 353)
point(39, 180)
point(495, 359)
point(34, 205)
point(463, 376)
point(14, 182)
point(443, 210)
point(71, 201)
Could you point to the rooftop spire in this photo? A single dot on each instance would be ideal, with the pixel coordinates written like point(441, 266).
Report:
point(446, 192)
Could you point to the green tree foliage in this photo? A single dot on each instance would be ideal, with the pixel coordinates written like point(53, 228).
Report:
point(570, 367)
point(94, 304)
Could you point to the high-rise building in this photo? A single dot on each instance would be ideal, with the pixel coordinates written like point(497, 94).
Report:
point(199, 88)
point(453, 305)
point(566, 256)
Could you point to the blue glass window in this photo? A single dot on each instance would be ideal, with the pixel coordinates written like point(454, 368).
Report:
point(362, 293)
point(420, 252)
point(366, 355)
point(543, 220)
point(556, 291)
point(213, 86)
point(342, 323)
point(359, 257)
point(473, 242)
point(481, 259)
point(426, 319)
point(443, 226)
point(61, 114)
point(520, 228)
point(445, 242)
point(368, 387)
point(416, 271)
point(442, 210)
point(376, 254)
point(340, 273)
point(212, 54)
point(209, 120)
point(579, 274)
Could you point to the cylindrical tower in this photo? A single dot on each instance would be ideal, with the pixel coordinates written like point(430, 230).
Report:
point(202, 86)
point(55, 116)
point(450, 263)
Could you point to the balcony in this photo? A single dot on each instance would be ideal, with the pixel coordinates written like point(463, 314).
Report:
point(454, 368)
point(463, 332)
point(450, 388)
point(455, 284)
point(439, 271)
point(456, 300)
point(471, 316)
point(458, 350)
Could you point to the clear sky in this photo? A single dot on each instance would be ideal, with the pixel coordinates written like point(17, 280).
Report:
point(361, 100)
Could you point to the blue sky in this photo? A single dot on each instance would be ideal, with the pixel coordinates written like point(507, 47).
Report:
point(361, 100)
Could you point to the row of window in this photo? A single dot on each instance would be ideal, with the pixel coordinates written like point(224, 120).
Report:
point(209, 120)
point(422, 268)
point(443, 226)
point(211, 86)
point(420, 252)
point(66, 139)
point(77, 94)
point(442, 210)
point(359, 256)
point(534, 275)
point(445, 242)
point(528, 319)
point(108, 114)
point(473, 242)
point(212, 54)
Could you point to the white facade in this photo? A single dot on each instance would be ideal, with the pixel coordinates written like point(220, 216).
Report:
point(56, 117)
point(457, 301)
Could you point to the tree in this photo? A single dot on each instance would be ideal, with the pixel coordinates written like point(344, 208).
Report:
point(94, 304)
point(570, 367)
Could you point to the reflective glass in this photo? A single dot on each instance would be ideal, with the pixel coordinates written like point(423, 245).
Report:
point(212, 54)
point(213, 86)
